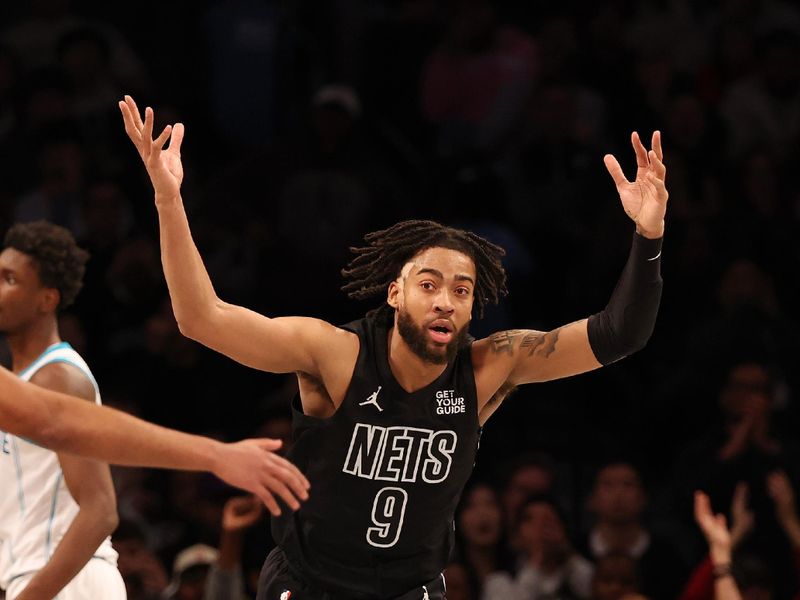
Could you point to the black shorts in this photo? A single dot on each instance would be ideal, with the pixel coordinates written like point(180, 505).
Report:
point(278, 582)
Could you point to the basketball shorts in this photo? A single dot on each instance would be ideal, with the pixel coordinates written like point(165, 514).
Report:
point(98, 579)
point(277, 582)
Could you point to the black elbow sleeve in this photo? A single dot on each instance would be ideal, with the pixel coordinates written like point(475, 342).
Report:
point(627, 322)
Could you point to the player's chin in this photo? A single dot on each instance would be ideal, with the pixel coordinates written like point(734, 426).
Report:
point(438, 352)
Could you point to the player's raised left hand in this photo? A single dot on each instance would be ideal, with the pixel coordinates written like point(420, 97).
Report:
point(645, 198)
point(252, 465)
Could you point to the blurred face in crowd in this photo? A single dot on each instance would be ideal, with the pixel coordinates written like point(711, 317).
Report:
point(541, 530)
point(747, 393)
point(193, 583)
point(480, 520)
point(525, 482)
point(614, 577)
point(618, 497)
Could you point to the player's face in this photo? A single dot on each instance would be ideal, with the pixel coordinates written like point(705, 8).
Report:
point(433, 297)
point(22, 295)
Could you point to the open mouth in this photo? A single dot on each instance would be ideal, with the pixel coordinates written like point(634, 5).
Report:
point(441, 331)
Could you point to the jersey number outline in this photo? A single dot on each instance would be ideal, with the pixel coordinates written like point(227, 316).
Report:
point(388, 513)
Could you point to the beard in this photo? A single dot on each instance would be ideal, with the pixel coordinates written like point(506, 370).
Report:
point(416, 337)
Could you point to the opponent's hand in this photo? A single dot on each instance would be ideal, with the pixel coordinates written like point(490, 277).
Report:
point(644, 199)
point(241, 512)
point(252, 465)
point(163, 166)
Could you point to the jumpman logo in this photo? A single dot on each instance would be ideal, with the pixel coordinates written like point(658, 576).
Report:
point(425, 593)
point(372, 399)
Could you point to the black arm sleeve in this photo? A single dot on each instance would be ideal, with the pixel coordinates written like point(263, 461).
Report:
point(627, 321)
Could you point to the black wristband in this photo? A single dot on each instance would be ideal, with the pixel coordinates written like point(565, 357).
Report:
point(627, 322)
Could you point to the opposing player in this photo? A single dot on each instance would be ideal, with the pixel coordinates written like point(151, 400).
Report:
point(60, 509)
point(387, 421)
point(58, 523)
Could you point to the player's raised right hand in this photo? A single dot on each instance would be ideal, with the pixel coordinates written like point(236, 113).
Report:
point(252, 465)
point(163, 165)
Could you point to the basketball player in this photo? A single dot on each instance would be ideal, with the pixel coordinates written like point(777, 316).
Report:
point(57, 510)
point(57, 525)
point(387, 422)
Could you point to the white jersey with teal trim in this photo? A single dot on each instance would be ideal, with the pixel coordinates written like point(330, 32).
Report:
point(37, 506)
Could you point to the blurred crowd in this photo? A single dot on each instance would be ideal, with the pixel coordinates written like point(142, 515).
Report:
point(310, 123)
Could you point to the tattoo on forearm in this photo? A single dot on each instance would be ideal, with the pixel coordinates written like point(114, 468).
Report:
point(537, 342)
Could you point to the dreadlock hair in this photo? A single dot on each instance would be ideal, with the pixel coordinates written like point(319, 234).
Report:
point(57, 258)
point(380, 262)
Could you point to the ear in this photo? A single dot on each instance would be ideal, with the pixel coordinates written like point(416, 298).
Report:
point(50, 299)
point(395, 293)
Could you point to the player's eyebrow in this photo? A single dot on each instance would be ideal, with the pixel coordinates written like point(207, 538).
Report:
point(434, 272)
point(437, 273)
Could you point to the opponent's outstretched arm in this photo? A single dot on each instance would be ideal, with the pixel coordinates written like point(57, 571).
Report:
point(279, 345)
point(625, 325)
point(66, 424)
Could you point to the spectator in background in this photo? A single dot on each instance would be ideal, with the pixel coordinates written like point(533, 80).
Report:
point(476, 84)
point(763, 109)
point(529, 475)
point(616, 576)
point(144, 575)
point(618, 502)
point(729, 557)
point(550, 569)
point(84, 58)
point(481, 545)
point(190, 573)
point(747, 325)
point(745, 447)
point(35, 39)
point(720, 547)
point(57, 193)
point(226, 579)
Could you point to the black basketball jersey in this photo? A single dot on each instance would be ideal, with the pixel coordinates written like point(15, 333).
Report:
point(386, 473)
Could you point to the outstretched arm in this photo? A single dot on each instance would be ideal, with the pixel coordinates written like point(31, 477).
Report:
point(280, 345)
point(66, 424)
point(524, 356)
point(624, 326)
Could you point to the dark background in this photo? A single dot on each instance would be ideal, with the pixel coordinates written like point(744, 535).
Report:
point(494, 117)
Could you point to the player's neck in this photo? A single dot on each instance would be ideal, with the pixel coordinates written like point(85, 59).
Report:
point(411, 372)
point(28, 344)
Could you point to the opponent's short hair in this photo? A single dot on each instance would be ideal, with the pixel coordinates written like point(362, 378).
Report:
point(58, 259)
point(379, 263)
